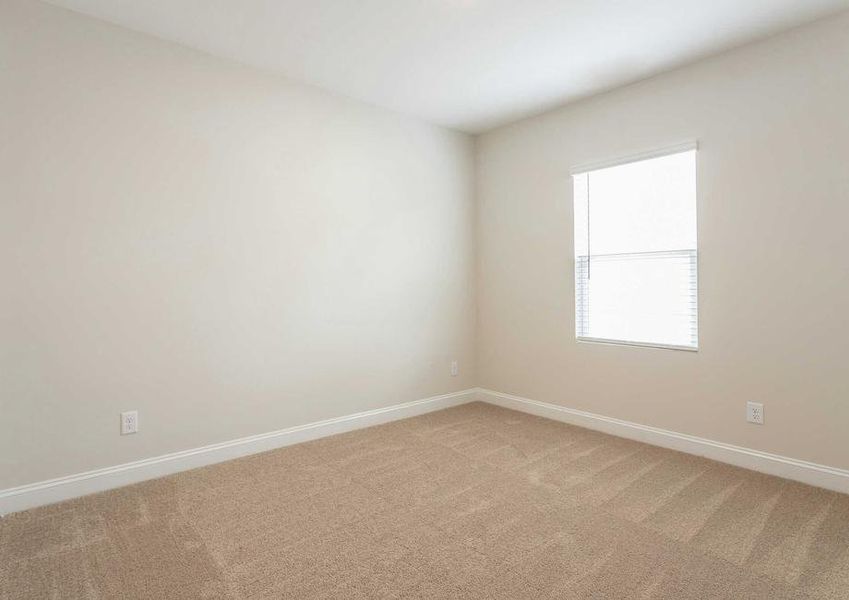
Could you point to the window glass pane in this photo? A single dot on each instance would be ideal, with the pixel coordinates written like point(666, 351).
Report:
point(643, 206)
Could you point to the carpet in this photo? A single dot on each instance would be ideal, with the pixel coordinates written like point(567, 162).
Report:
point(472, 502)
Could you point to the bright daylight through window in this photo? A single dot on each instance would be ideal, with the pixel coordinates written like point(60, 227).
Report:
point(636, 260)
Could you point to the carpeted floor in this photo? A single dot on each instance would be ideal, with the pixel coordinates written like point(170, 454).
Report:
point(472, 502)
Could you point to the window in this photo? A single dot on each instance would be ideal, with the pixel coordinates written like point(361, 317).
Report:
point(636, 259)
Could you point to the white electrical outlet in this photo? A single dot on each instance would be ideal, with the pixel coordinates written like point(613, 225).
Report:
point(755, 413)
point(455, 368)
point(129, 422)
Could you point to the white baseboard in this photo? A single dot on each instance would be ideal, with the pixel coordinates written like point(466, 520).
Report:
point(772, 464)
point(81, 484)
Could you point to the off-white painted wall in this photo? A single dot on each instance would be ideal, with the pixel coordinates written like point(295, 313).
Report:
point(225, 251)
point(231, 253)
point(772, 121)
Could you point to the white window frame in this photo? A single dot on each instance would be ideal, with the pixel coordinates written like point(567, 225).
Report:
point(623, 160)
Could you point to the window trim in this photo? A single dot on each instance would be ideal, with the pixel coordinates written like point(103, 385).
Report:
point(611, 342)
point(660, 152)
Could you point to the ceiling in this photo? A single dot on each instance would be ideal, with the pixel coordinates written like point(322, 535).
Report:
point(467, 64)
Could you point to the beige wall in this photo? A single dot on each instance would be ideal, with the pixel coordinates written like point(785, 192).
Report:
point(230, 253)
point(226, 252)
point(773, 123)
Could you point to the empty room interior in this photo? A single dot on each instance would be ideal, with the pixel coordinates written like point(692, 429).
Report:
point(424, 299)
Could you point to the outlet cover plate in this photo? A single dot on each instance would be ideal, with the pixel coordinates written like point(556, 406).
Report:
point(755, 413)
point(129, 422)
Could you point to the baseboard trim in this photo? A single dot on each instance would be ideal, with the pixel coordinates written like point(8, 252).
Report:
point(81, 484)
point(831, 478)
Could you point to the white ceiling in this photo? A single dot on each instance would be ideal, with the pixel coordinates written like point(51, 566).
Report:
point(466, 64)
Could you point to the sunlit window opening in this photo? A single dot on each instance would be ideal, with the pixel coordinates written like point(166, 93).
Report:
point(636, 257)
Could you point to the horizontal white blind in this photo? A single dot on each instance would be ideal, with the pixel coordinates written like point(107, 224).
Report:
point(636, 261)
point(632, 158)
point(649, 298)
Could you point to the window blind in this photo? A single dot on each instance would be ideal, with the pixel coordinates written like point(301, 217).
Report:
point(636, 255)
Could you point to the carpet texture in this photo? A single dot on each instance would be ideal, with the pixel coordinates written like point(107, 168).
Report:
point(471, 502)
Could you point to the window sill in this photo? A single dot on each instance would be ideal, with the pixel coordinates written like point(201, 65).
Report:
point(606, 342)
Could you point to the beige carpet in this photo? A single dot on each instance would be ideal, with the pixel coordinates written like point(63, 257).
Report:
point(471, 502)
